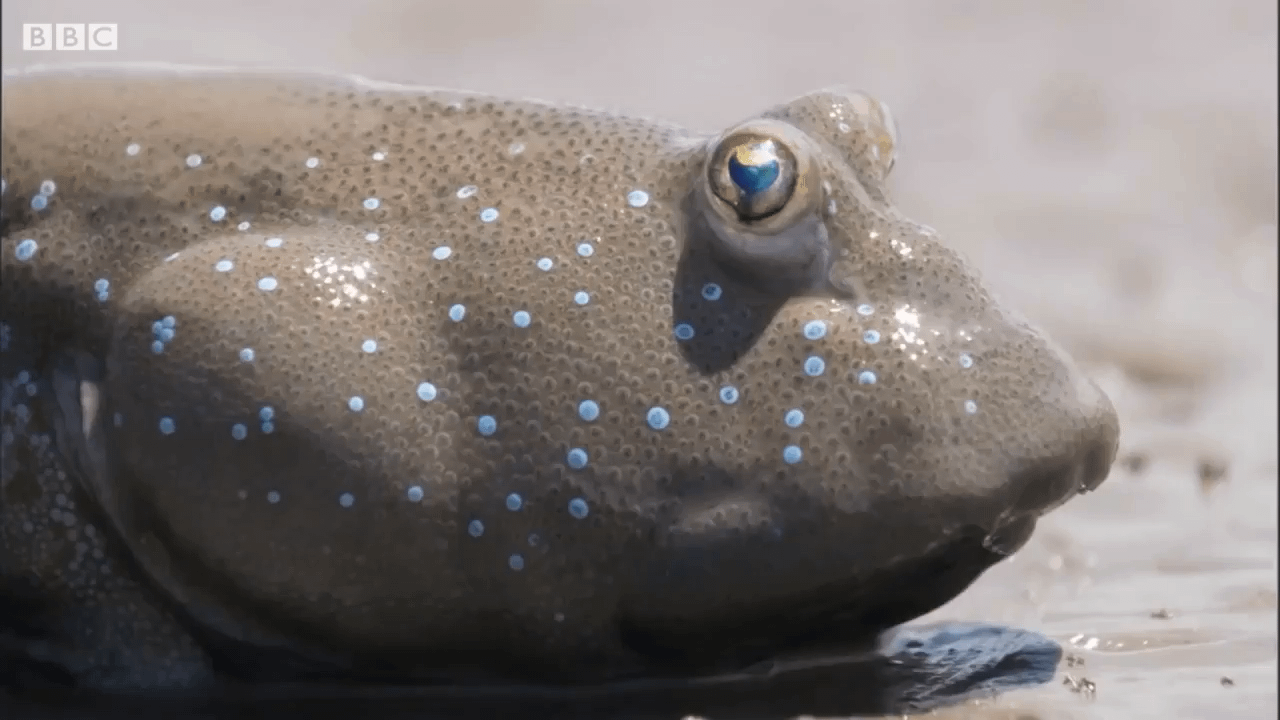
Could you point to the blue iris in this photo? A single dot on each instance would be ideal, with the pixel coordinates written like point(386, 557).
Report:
point(754, 168)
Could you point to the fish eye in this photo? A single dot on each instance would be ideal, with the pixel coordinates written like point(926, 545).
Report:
point(753, 173)
point(883, 129)
point(888, 139)
point(763, 199)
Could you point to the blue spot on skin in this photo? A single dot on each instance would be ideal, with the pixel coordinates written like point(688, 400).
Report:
point(658, 418)
point(792, 454)
point(966, 360)
point(268, 427)
point(167, 426)
point(545, 264)
point(273, 497)
point(577, 458)
point(157, 347)
point(356, 403)
point(274, 242)
point(369, 346)
point(415, 493)
point(588, 410)
point(586, 249)
point(866, 377)
point(515, 562)
point(267, 413)
point(684, 331)
point(25, 250)
point(757, 174)
point(794, 418)
point(728, 394)
point(218, 214)
point(169, 321)
point(514, 502)
point(488, 215)
point(346, 500)
point(578, 508)
point(711, 291)
point(814, 366)
point(581, 298)
point(372, 203)
point(239, 431)
point(970, 407)
point(48, 187)
point(637, 198)
point(267, 284)
point(426, 392)
point(223, 266)
point(815, 330)
point(101, 285)
point(246, 355)
point(39, 202)
point(442, 253)
point(521, 319)
point(871, 337)
point(865, 309)
point(487, 425)
point(475, 528)
point(457, 312)
point(165, 335)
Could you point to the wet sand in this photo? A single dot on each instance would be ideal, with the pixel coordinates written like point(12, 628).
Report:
point(1111, 166)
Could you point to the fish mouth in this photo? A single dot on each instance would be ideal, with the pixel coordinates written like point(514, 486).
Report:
point(837, 620)
point(847, 616)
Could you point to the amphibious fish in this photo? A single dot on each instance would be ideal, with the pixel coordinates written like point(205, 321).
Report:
point(354, 380)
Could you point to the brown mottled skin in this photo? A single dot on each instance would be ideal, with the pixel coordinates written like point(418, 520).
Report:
point(342, 543)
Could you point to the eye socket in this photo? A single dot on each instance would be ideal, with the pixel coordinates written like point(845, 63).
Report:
point(753, 173)
point(762, 196)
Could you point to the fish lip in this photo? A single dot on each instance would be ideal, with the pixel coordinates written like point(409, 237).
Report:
point(1036, 489)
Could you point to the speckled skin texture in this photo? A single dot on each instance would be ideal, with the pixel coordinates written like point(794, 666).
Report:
point(330, 378)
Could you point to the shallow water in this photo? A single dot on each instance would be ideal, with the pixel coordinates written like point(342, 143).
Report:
point(1111, 165)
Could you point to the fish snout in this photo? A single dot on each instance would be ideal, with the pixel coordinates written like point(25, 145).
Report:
point(1100, 440)
point(1073, 459)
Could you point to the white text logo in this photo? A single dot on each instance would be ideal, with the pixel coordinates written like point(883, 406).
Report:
point(69, 36)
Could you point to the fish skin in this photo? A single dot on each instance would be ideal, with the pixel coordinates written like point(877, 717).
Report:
point(402, 477)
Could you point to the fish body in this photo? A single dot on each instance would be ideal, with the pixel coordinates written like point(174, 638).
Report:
point(397, 382)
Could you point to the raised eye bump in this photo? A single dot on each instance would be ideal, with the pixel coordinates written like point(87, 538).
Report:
point(888, 137)
point(880, 127)
point(754, 174)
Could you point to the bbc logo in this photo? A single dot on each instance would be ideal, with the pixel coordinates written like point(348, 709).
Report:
point(69, 36)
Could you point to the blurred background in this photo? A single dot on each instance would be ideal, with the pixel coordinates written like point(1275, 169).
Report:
point(1111, 164)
